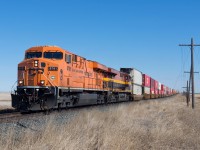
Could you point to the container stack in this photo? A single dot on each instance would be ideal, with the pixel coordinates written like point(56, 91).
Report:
point(152, 88)
point(136, 82)
point(163, 88)
point(146, 86)
point(167, 91)
point(159, 90)
point(142, 86)
point(156, 89)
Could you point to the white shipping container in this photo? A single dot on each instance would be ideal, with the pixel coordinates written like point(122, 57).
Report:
point(137, 89)
point(136, 76)
point(159, 86)
point(146, 90)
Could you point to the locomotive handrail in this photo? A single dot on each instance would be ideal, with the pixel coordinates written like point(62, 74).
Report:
point(13, 87)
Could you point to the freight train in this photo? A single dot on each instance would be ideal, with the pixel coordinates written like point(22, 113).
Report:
point(50, 77)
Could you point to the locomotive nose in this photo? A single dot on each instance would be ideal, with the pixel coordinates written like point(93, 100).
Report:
point(35, 71)
point(31, 74)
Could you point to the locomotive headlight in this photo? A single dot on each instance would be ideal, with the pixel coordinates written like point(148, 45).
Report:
point(36, 63)
point(42, 82)
point(21, 82)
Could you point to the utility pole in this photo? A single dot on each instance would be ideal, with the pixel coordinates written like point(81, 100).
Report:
point(187, 94)
point(192, 66)
point(188, 87)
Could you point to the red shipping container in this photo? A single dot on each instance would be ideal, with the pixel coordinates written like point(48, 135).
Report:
point(162, 87)
point(156, 85)
point(173, 91)
point(159, 92)
point(145, 80)
point(170, 91)
point(152, 87)
point(167, 90)
point(156, 92)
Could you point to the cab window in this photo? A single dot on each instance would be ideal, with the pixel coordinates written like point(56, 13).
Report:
point(33, 55)
point(53, 55)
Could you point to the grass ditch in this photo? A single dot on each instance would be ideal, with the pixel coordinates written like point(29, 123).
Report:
point(167, 124)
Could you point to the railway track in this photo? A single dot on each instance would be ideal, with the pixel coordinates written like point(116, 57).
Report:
point(14, 116)
point(4, 117)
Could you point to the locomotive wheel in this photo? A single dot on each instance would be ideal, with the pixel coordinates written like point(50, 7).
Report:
point(59, 107)
point(47, 112)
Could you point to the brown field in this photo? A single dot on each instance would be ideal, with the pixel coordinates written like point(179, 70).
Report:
point(5, 96)
point(167, 124)
point(5, 100)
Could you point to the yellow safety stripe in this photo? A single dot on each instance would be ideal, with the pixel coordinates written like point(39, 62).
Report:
point(116, 81)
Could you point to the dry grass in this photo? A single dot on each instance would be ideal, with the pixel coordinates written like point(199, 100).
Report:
point(166, 124)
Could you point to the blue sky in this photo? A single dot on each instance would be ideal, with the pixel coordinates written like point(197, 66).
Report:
point(118, 33)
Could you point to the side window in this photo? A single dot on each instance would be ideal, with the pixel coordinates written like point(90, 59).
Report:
point(74, 58)
point(68, 58)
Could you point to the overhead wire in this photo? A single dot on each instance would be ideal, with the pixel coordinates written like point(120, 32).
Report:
point(184, 61)
point(181, 76)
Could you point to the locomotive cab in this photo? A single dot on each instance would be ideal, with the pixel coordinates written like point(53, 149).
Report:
point(38, 78)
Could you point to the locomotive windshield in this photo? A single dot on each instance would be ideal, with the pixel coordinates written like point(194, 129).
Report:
point(53, 55)
point(33, 55)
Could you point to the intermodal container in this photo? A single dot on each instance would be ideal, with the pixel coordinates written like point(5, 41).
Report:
point(146, 92)
point(167, 90)
point(137, 89)
point(152, 88)
point(159, 86)
point(156, 92)
point(156, 88)
point(136, 75)
point(145, 80)
point(173, 91)
point(170, 91)
point(159, 92)
point(163, 89)
point(156, 85)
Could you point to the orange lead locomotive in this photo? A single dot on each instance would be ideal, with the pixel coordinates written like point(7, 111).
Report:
point(50, 77)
